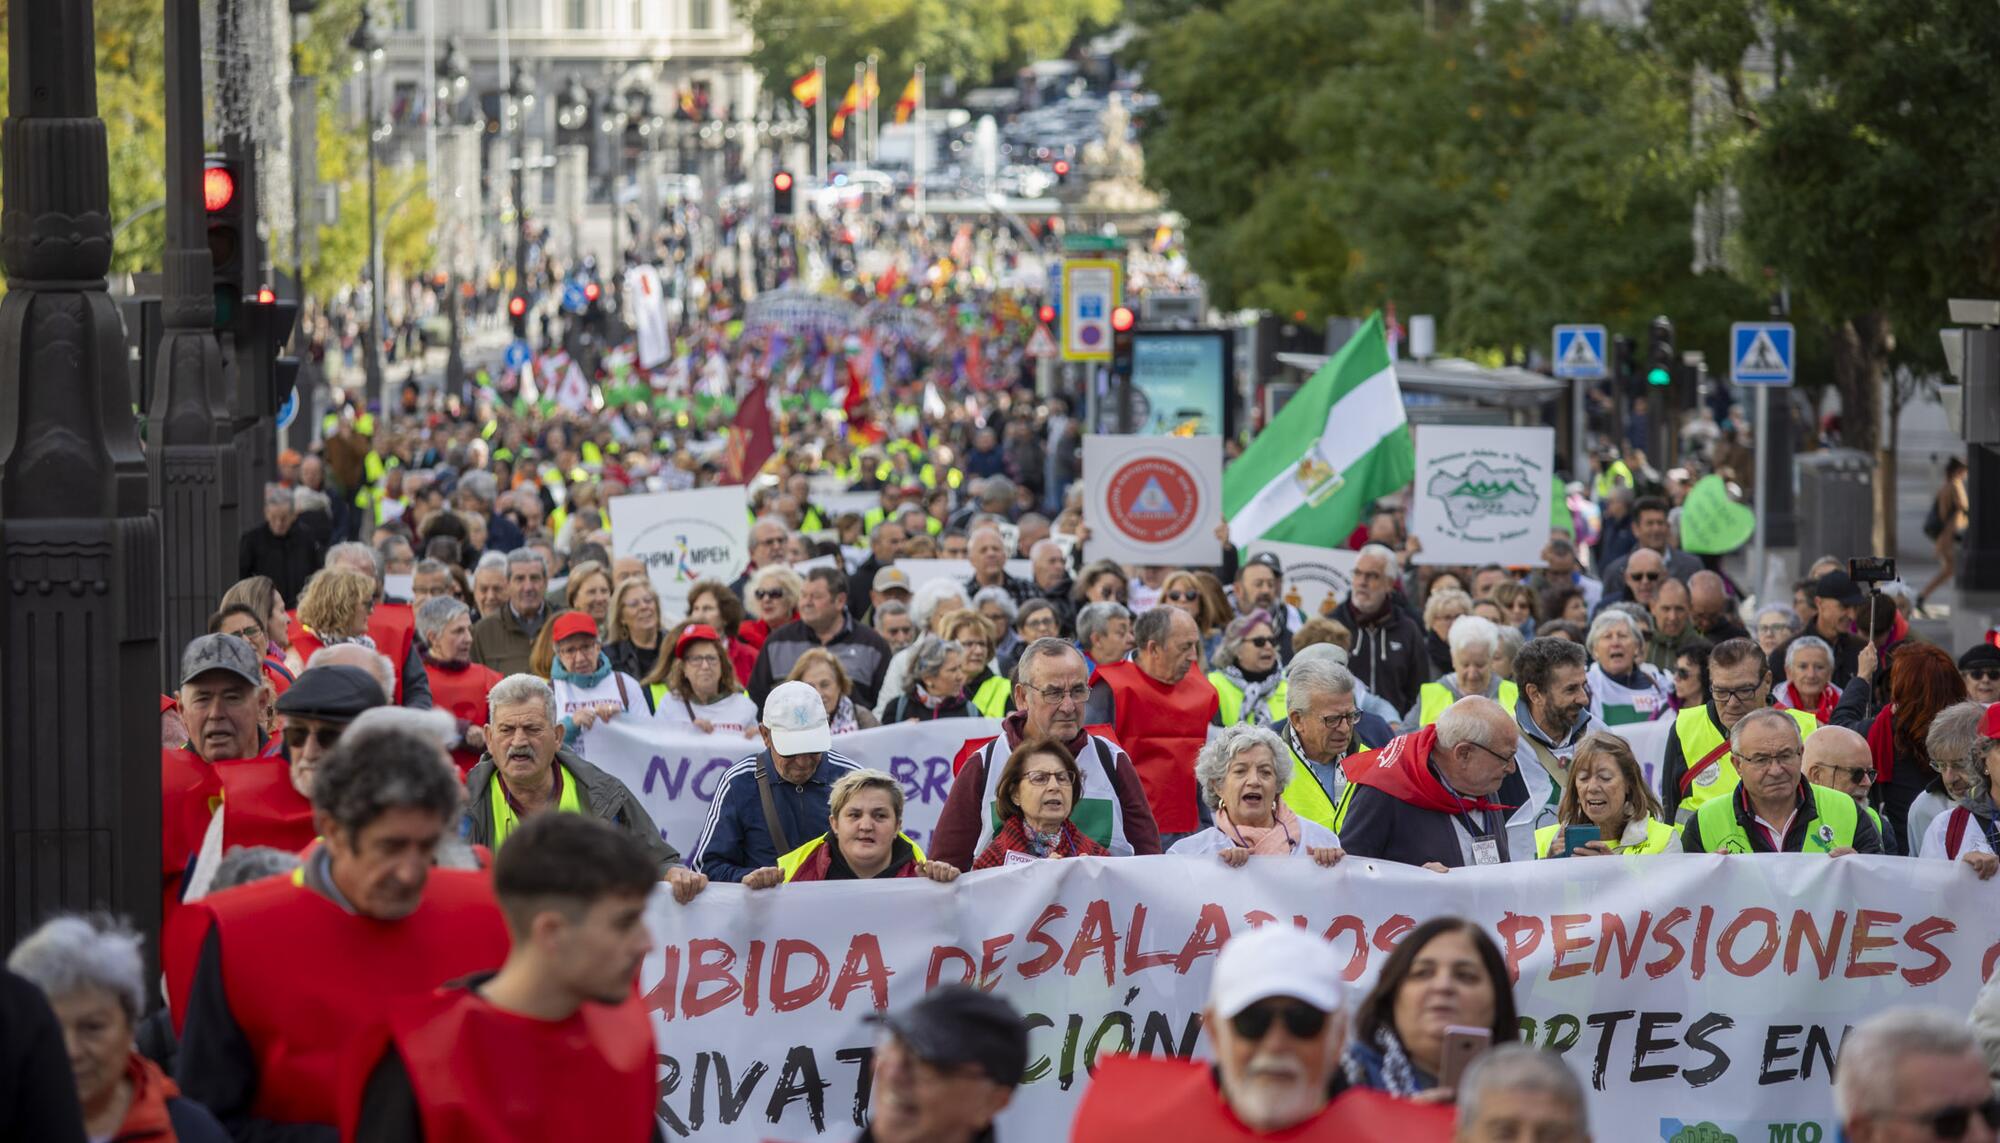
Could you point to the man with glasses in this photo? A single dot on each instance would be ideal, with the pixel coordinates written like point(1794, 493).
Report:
point(1651, 531)
point(767, 550)
point(1838, 759)
point(823, 622)
point(1641, 578)
point(945, 1068)
point(1773, 809)
point(1698, 767)
point(1438, 797)
point(1324, 724)
point(1051, 685)
point(1277, 1020)
point(1914, 1075)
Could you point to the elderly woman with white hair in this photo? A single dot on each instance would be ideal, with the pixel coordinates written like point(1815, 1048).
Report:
point(1808, 679)
point(1475, 644)
point(1624, 688)
point(92, 970)
point(1242, 774)
point(1248, 683)
point(1968, 764)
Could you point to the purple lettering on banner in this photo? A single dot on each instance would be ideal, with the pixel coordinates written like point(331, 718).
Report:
point(711, 777)
point(669, 776)
point(937, 780)
point(904, 770)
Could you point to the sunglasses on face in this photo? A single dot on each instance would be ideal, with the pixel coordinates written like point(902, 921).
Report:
point(297, 736)
point(769, 593)
point(1983, 674)
point(1303, 1021)
point(1953, 1122)
point(1184, 596)
point(1643, 577)
point(1259, 641)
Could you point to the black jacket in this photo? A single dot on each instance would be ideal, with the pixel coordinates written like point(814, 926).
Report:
point(905, 706)
point(37, 1091)
point(1381, 825)
point(1391, 657)
point(289, 560)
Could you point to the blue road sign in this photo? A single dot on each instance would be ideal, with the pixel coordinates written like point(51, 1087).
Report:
point(518, 355)
point(289, 410)
point(573, 299)
point(1760, 353)
point(1579, 352)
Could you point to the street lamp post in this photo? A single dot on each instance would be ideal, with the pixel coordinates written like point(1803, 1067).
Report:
point(452, 79)
point(80, 626)
point(521, 93)
point(367, 44)
point(611, 121)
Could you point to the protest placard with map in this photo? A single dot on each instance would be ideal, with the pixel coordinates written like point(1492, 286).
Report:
point(1482, 494)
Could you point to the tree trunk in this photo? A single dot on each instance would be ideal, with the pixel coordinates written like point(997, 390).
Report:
point(1861, 348)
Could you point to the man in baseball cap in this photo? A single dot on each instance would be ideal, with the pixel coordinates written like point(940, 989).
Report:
point(776, 800)
point(1277, 1020)
point(223, 701)
point(946, 1066)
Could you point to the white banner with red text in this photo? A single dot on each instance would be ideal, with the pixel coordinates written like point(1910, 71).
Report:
point(674, 769)
point(1697, 997)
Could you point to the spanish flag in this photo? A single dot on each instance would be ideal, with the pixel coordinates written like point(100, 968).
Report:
point(806, 88)
point(849, 104)
point(907, 105)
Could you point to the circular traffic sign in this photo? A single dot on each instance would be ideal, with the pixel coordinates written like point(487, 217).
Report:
point(1090, 335)
point(1153, 500)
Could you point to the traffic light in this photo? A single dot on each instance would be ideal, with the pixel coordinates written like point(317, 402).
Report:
point(1123, 321)
point(222, 197)
point(517, 310)
point(1061, 169)
point(1046, 315)
point(265, 329)
point(1660, 356)
point(1625, 359)
point(781, 193)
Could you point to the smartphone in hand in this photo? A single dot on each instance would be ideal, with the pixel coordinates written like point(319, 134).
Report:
point(1577, 836)
point(1462, 1045)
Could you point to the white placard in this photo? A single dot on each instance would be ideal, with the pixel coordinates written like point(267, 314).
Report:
point(683, 537)
point(1482, 494)
point(1153, 500)
point(1311, 574)
point(398, 586)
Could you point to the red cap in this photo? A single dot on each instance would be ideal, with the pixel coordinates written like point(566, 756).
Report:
point(694, 633)
point(1989, 723)
point(574, 623)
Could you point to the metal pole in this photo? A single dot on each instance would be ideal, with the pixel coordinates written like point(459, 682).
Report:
point(918, 159)
point(1579, 436)
point(79, 629)
point(1761, 495)
point(372, 352)
point(819, 123)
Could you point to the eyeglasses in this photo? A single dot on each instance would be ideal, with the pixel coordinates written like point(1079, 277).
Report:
point(702, 661)
point(1683, 673)
point(1040, 778)
point(1951, 1122)
point(1982, 674)
point(1061, 694)
point(1774, 629)
point(297, 736)
point(1260, 641)
point(1858, 775)
point(769, 593)
point(1184, 596)
point(1644, 577)
point(1763, 761)
point(1507, 758)
point(1337, 721)
point(1735, 694)
point(251, 635)
point(1303, 1021)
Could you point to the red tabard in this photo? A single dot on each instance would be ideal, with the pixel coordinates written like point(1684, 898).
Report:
point(302, 640)
point(261, 807)
point(462, 691)
point(189, 793)
point(1144, 1100)
point(302, 978)
point(1162, 728)
point(393, 626)
point(484, 1075)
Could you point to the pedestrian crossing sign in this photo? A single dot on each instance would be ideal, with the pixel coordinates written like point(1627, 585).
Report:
point(1579, 352)
point(1760, 353)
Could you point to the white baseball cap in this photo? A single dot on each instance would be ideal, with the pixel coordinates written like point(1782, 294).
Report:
point(1275, 959)
point(795, 715)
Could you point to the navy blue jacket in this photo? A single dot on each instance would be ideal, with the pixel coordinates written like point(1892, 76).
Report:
point(736, 841)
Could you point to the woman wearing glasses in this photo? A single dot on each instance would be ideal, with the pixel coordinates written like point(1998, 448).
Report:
point(1624, 688)
point(1446, 973)
point(1246, 674)
point(1242, 774)
point(1691, 676)
point(774, 600)
point(1036, 793)
point(1956, 819)
point(695, 685)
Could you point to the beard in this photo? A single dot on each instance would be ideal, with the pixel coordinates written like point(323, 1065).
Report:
point(1275, 1093)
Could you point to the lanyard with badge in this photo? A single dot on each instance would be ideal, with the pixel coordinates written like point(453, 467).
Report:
point(1485, 846)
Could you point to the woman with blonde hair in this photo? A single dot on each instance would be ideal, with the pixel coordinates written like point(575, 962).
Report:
point(774, 598)
point(334, 610)
point(1607, 792)
point(632, 636)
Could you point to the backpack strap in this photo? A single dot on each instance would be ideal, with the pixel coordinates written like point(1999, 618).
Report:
point(1954, 831)
point(624, 699)
point(771, 821)
point(1707, 760)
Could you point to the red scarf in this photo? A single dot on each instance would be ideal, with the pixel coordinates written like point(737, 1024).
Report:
point(1882, 742)
point(1402, 770)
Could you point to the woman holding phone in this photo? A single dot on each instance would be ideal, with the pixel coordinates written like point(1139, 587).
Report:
point(1443, 995)
point(1607, 808)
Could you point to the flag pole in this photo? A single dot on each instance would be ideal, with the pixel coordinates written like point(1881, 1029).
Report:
point(917, 156)
point(858, 129)
point(819, 120)
point(871, 96)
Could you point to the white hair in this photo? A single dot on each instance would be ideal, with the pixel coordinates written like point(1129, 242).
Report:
point(437, 613)
point(1519, 1067)
point(70, 953)
point(1864, 1078)
point(491, 561)
point(309, 500)
point(436, 726)
point(278, 496)
point(515, 690)
point(1214, 760)
point(1464, 721)
point(1607, 619)
point(997, 596)
point(1469, 631)
point(355, 655)
point(1394, 568)
point(926, 600)
point(1311, 676)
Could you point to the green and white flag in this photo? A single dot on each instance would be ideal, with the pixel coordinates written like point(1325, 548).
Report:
point(1337, 446)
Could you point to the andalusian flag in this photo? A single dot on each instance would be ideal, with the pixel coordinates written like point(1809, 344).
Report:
point(906, 106)
point(806, 89)
point(1339, 444)
point(849, 104)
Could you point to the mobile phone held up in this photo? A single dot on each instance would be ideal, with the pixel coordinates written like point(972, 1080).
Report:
point(1462, 1045)
point(1577, 836)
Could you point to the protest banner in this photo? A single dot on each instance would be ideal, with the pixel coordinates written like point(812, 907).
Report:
point(674, 770)
point(683, 537)
point(1153, 500)
point(1311, 574)
point(1696, 997)
point(1481, 494)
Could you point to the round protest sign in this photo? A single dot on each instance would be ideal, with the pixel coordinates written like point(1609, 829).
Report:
point(1153, 500)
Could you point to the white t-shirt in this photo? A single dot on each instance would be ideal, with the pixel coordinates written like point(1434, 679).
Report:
point(731, 714)
point(1974, 840)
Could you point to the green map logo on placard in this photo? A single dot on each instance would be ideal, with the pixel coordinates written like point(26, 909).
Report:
point(1702, 1133)
point(1482, 491)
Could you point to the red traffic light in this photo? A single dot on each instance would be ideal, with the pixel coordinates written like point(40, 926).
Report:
point(266, 295)
point(1046, 315)
point(218, 188)
point(590, 291)
point(1062, 166)
point(517, 306)
point(1123, 319)
point(782, 180)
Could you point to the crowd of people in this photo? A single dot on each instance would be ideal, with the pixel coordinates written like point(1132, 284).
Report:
point(359, 758)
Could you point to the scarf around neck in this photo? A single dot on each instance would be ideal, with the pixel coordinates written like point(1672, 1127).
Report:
point(1281, 837)
point(842, 720)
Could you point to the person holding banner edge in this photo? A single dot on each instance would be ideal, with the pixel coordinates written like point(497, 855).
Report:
point(864, 840)
point(1243, 774)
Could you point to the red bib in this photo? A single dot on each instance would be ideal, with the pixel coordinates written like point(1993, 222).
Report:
point(462, 691)
point(484, 1075)
point(261, 807)
point(1135, 1099)
point(1162, 728)
point(189, 793)
point(393, 626)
